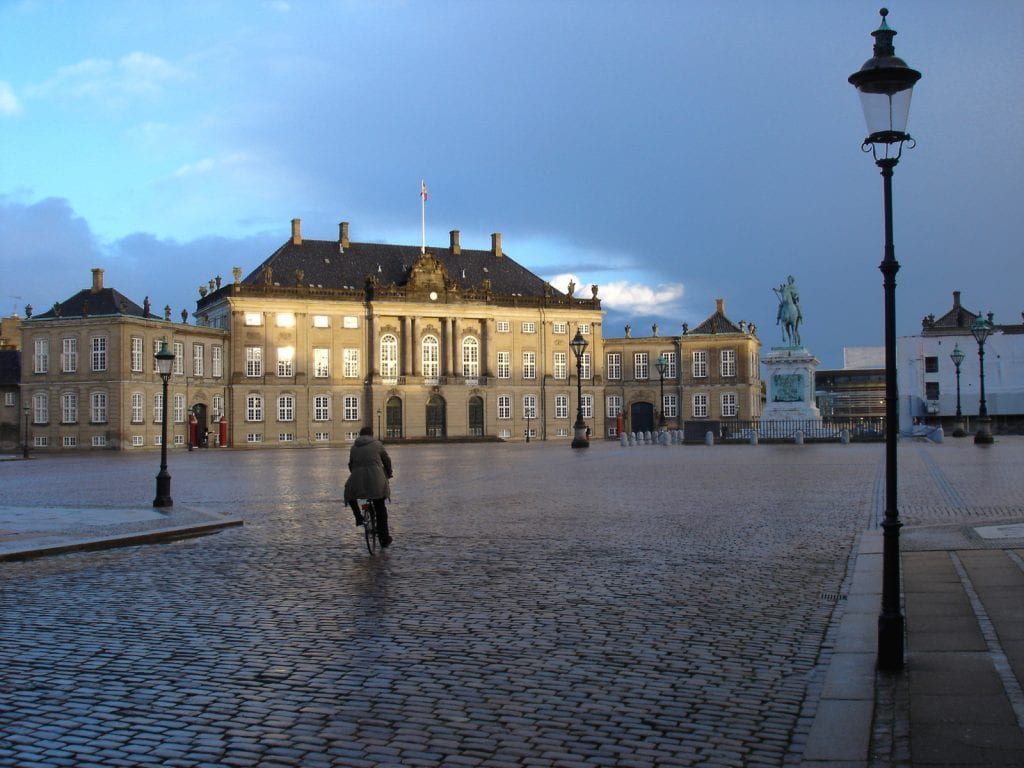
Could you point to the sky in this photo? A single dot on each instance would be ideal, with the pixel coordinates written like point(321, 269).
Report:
point(673, 153)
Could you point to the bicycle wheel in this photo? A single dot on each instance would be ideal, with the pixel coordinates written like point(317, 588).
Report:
point(370, 527)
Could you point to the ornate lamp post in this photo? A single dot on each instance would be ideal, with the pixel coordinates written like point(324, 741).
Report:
point(885, 83)
point(24, 445)
point(164, 361)
point(662, 366)
point(579, 346)
point(981, 331)
point(957, 356)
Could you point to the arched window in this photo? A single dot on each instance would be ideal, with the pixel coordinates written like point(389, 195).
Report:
point(389, 356)
point(431, 357)
point(470, 357)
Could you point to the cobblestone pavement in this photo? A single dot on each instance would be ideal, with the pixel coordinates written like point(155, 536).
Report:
point(540, 607)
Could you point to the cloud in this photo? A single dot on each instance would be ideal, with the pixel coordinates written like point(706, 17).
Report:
point(134, 75)
point(9, 104)
point(629, 298)
point(210, 165)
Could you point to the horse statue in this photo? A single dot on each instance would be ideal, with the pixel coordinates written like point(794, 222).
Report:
point(789, 315)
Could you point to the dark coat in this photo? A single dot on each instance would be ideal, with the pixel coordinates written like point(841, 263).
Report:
point(370, 466)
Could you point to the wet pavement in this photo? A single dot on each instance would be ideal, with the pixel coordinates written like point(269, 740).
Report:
point(540, 607)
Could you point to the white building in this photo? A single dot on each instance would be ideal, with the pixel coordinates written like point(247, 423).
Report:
point(927, 380)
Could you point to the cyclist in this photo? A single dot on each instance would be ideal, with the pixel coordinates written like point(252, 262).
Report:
point(370, 469)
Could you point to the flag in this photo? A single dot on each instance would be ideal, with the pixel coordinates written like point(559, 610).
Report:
point(423, 191)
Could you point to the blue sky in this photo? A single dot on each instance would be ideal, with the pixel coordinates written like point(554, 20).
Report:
point(671, 152)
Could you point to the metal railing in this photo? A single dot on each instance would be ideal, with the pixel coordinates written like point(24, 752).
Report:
point(857, 429)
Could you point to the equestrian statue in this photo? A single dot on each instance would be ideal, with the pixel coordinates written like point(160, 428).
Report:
point(789, 315)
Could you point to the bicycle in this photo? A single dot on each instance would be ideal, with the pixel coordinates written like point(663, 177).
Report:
point(370, 527)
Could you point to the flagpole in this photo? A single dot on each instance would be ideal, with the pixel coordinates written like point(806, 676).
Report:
point(423, 215)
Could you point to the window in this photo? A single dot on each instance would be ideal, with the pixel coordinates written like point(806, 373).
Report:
point(700, 365)
point(322, 408)
point(253, 318)
point(584, 328)
point(286, 437)
point(561, 406)
point(10, 398)
point(529, 406)
point(729, 362)
point(217, 361)
point(285, 362)
point(670, 406)
point(561, 367)
point(285, 319)
point(254, 437)
point(561, 328)
point(137, 405)
point(613, 365)
point(350, 321)
point(585, 366)
point(99, 441)
point(528, 327)
point(321, 321)
point(158, 344)
point(931, 365)
point(931, 390)
point(198, 359)
point(99, 408)
point(504, 365)
point(99, 353)
point(730, 407)
point(179, 409)
point(254, 408)
point(613, 406)
point(470, 357)
point(323, 437)
point(158, 409)
point(218, 406)
point(641, 366)
point(253, 361)
point(40, 408)
point(136, 354)
point(40, 441)
point(529, 365)
point(350, 363)
point(351, 408)
point(504, 407)
point(431, 357)
point(41, 359)
point(286, 408)
point(69, 355)
point(69, 441)
point(321, 363)
point(179, 359)
point(671, 368)
point(587, 406)
point(69, 408)
point(138, 441)
point(502, 326)
point(389, 356)
point(700, 406)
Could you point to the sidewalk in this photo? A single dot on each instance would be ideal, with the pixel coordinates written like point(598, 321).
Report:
point(27, 532)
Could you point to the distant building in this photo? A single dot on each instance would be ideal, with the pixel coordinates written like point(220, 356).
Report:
point(927, 375)
point(12, 421)
point(855, 391)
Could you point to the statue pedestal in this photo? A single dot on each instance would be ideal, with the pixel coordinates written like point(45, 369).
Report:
point(789, 375)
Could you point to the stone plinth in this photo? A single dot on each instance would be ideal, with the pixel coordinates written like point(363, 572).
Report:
point(789, 374)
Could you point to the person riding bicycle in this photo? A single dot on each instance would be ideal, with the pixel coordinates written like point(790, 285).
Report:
point(370, 469)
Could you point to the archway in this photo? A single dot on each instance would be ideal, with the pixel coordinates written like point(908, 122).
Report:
point(393, 418)
point(436, 421)
point(476, 416)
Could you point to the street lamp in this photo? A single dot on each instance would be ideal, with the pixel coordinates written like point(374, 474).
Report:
point(957, 356)
point(24, 446)
point(380, 427)
point(981, 331)
point(662, 366)
point(579, 346)
point(885, 83)
point(164, 361)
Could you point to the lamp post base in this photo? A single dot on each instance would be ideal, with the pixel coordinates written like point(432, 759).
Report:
point(579, 439)
point(163, 490)
point(959, 431)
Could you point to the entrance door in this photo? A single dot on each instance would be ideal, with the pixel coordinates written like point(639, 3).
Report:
point(476, 416)
point(394, 418)
point(641, 417)
point(199, 411)
point(436, 426)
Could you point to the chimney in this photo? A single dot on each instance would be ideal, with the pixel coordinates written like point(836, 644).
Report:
point(97, 280)
point(455, 247)
point(496, 244)
point(956, 299)
point(343, 235)
point(296, 231)
point(720, 306)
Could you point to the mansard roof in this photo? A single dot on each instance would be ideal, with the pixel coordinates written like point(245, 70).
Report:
point(717, 323)
point(89, 303)
point(340, 264)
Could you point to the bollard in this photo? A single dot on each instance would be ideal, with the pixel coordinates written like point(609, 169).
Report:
point(798, 438)
point(844, 437)
point(663, 438)
point(753, 438)
point(709, 438)
point(623, 440)
point(938, 435)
